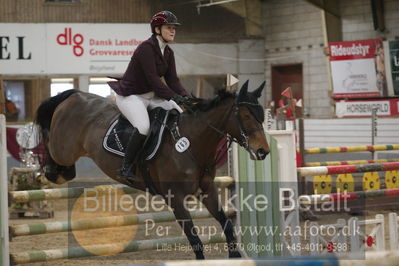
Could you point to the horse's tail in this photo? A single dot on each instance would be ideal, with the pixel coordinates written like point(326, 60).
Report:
point(44, 113)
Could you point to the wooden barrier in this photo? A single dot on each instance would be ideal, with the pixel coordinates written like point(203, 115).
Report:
point(393, 230)
point(350, 236)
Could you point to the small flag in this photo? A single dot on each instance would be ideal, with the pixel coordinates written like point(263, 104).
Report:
point(287, 93)
point(231, 80)
point(299, 103)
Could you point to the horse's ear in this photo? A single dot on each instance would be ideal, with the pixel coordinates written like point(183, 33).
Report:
point(258, 92)
point(244, 89)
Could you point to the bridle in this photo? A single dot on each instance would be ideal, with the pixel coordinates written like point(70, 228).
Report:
point(245, 134)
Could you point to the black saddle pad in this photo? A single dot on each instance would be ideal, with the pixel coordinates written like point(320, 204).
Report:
point(117, 136)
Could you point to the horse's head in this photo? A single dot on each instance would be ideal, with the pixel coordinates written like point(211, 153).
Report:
point(246, 126)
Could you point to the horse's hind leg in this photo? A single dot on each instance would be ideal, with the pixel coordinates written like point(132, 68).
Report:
point(57, 173)
point(183, 217)
point(211, 201)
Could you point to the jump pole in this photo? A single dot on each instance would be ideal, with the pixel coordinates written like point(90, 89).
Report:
point(331, 163)
point(102, 222)
point(347, 169)
point(25, 196)
point(70, 193)
point(3, 195)
point(349, 196)
point(361, 148)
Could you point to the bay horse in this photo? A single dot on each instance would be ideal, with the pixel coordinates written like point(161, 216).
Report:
point(74, 123)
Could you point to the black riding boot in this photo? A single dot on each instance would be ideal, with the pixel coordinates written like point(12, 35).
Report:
point(133, 148)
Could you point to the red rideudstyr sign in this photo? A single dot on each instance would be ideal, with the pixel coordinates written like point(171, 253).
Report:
point(357, 69)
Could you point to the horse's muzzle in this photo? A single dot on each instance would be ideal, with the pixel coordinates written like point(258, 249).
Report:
point(261, 154)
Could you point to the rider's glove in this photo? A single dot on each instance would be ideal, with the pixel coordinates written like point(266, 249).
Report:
point(179, 99)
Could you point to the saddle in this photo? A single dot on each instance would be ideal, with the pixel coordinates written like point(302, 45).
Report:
point(117, 135)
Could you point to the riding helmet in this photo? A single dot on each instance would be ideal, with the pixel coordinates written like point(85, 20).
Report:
point(162, 18)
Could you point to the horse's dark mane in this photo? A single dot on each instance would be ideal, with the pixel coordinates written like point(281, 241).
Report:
point(45, 111)
point(207, 104)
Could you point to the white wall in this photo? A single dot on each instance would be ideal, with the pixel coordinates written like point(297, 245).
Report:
point(349, 132)
point(205, 59)
point(251, 64)
point(357, 20)
point(294, 34)
point(245, 58)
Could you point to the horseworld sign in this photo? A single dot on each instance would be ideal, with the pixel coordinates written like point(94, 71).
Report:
point(68, 48)
point(363, 108)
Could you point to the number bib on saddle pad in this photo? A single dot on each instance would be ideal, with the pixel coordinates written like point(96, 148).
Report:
point(118, 134)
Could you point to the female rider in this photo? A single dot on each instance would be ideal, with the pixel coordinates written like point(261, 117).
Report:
point(150, 81)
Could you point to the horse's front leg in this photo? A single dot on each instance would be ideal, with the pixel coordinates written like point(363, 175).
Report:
point(183, 217)
point(211, 200)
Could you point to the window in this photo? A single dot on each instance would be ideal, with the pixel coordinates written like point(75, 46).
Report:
point(15, 97)
point(59, 85)
point(100, 87)
point(203, 86)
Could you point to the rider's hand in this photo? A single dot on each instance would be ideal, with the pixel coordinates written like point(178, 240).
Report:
point(178, 99)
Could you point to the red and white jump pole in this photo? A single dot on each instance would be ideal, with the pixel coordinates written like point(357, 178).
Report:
point(347, 169)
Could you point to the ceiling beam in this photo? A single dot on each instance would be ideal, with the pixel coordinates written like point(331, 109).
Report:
point(328, 6)
point(251, 12)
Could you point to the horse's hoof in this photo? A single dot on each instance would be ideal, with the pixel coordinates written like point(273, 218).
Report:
point(235, 254)
point(52, 176)
point(200, 257)
point(307, 215)
point(55, 178)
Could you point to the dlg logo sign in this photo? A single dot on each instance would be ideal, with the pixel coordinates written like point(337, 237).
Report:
point(75, 40)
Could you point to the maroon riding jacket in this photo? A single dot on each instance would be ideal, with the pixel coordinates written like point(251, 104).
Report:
point(145, 69)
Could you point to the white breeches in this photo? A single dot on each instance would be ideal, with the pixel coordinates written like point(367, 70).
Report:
point(134, 108)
